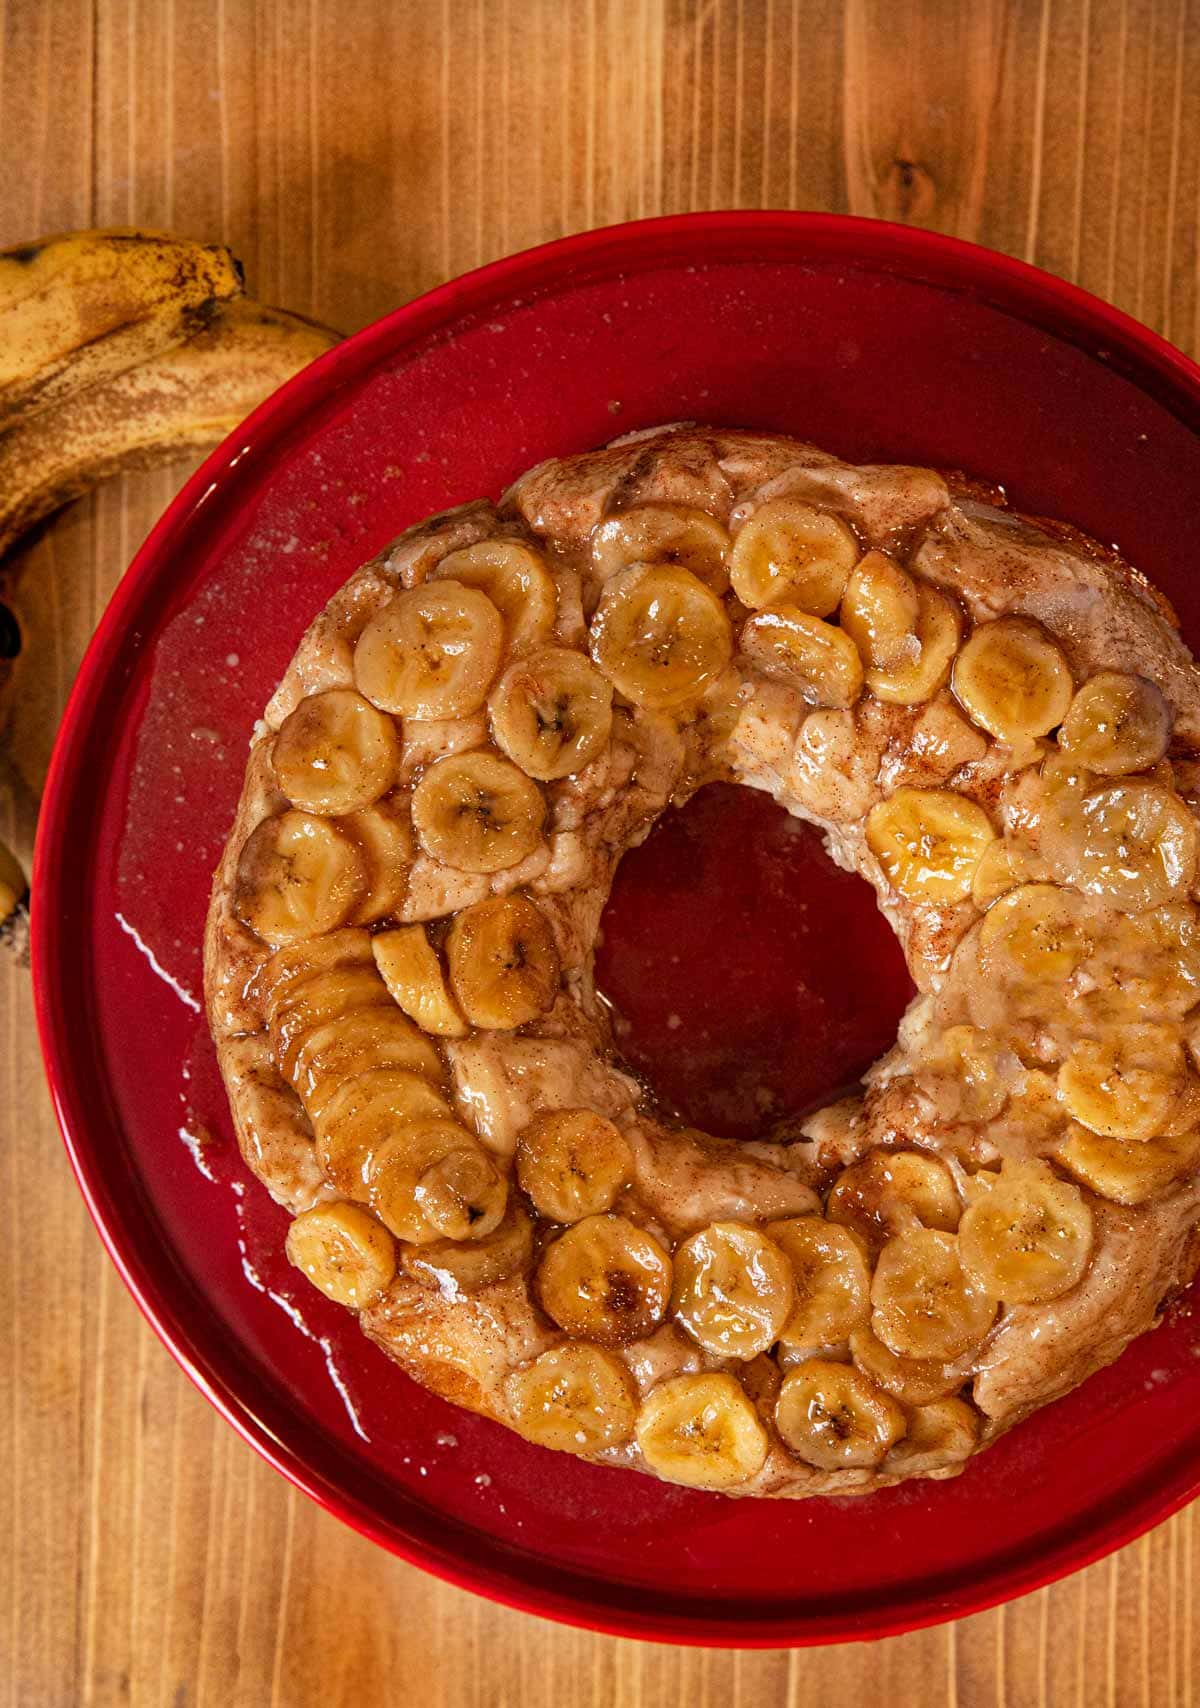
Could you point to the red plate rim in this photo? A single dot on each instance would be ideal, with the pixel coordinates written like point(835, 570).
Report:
point(1012, 286)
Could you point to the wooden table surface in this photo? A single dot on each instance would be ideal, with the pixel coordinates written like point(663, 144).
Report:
point(354, 154)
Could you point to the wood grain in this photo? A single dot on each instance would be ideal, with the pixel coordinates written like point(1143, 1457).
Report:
point(354, 154)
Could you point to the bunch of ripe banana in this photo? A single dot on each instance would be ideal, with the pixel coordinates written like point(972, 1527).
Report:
point(118, 350)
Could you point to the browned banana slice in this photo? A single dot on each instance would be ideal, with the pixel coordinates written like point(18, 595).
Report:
point(1013, 679)
point(504, 967)
point(833, 1417)
point(889, 1192)
point(941, 1436)
point(962, 1072)
point(432, 1179)
point(572, 1163)
point(915, 1381)
point(575, 1398)
point(790, 550)
point(733, 1290)
point(363, 1114)
point(433, 652)
point(929, 842)
point(1126, 1171)
point(832, 1279)
point(453, 1267)
point(806, 653)
point(703, 1431)
point(1116, 724)
point(358, 1042)
point(292, 964)
point(384, 833)
point(551, 712)
point(413, 974)
point(343, 1251)
point(660, 636)
point(924, 1303)
point(1028, 1237)
point(1127, 1085)
point(517, 582)
point(316, 1001)
point(906, 631)
point(605, 1279)
point(335, 753)
point(477, 812)
point(298, 876)
point(663, 533)
point(1137, 846)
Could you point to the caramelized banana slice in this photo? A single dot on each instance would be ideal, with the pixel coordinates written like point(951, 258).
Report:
point(298, 876)
point(344, 1252)
point(925, 1304)
point(1013, 680)
point(413, 975)
point(1125, 1086)
point(572, 1163)
point(362, 1114)
point(961, 1071)
point(355, 1043)
point(452, 1268)
point(929, 842)
point(1116, 724)
point(906, 631)
point(998, 871)
point(432, 1179)
point(515, 579)
point(1128, 1172)
point(915, 1381)
point(806, 653)
point(888, 1192)
point(1136, 848)
point(1027, 1238)
point(1039, 932)
point(733, 1290)
point(832, 1280)
point(384, 833)
point(296, 962)
point(314, 1002)
point(335, 753)
point(663, 533)
point(551, 712)
point(660, 636)
point(790, 550)
point(504, 967)
point(703, 1431)
point(477, 812)
point(575, 1398)
point(605, 1279)
point(940, 1437)
point(433, 652)
point(832, 1416)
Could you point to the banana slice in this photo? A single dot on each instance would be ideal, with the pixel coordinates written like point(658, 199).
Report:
point(515, 579)
point(703, 1431)
point(1013, 680)
point(889, 1192)
point(962, 1072)
point(573, 1163)
point(907, 632)
point(821, 661)
point(999, 870)
point(451, 1268)
point(354, 1043)
point(298, 876)
point(1128, 1172)
point(1039, 933)
point(575, 1398)
point(929, 842)
point(362, 1114)
point(384, 833)
point(833, 1417)
point(676, 534)
point(432, 1179)
point(915, 1381)
point(924, 1303)
point(660, 636)
point(1029, 1237)
point(477, 812)
point(413, 975)
point(433, 652)
point(1125, 1086)
point(733, 1290)
point(504, 967)
point(940, 1437)
point(1116, 724)
point(343, 1251)
point(335, 753)
point(292, 964)
point(1137, 846)
point(605, 1279)
point(832, 1281)
point(790, 550)
point(314, 1002)
point(551, 712)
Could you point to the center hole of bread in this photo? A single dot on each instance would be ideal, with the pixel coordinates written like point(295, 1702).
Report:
point(750, 978)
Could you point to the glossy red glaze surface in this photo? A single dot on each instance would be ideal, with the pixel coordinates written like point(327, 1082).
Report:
point(872, 340)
